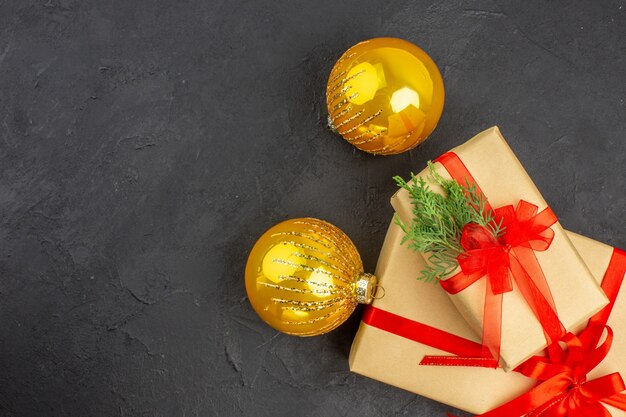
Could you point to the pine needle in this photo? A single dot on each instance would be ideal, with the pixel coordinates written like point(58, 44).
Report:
point(438, 221)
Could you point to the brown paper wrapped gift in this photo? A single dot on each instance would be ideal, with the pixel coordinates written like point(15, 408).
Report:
point(576, 295)
point(395, 360)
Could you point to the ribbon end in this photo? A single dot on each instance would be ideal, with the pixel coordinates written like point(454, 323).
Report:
point(459, 361)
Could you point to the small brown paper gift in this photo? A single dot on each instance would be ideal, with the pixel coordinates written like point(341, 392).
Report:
point(395, 360)
point(497, 172)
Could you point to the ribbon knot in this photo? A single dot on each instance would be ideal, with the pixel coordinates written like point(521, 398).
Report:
point(577, 384)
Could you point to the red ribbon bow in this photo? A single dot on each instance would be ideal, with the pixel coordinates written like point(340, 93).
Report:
point(566, 392)
point(487, 256)
point(504, 260)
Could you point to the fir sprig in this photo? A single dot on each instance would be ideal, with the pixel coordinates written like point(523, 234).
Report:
point(438, 221)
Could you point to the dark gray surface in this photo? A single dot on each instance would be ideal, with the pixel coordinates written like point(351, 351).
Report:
point(147, 144)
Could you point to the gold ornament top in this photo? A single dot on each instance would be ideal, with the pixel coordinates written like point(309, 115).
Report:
point(384, 96)
point(305, 277)
point(366, 288)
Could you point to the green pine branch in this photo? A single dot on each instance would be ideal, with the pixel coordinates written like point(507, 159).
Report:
point(438, 221)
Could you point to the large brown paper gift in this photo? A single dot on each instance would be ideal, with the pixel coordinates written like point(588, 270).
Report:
point(504, 181)
point(395, 360)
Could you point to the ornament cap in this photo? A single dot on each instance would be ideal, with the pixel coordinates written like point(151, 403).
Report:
point(365, 288)
point(331, 125)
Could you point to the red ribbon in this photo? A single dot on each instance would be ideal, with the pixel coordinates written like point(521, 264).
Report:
point(565, 390)
point(426, 335)
point(511, 257)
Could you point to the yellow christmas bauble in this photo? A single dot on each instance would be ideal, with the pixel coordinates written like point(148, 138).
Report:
point(305, 277)
point(384, 96)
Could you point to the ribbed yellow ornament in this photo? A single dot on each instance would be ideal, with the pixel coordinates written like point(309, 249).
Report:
point(384, 96)
point(305, 277)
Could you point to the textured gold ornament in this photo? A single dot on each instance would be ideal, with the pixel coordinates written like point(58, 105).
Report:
point(384, 96)
point(305, 277)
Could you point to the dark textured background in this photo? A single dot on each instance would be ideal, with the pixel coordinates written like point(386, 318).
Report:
point(145, 145)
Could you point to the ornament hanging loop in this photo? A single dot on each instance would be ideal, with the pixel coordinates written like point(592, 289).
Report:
point(379, 292)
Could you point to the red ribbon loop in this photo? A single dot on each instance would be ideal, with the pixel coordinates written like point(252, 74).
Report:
point(504, 260)
point(565, 391)
point(525, 227)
